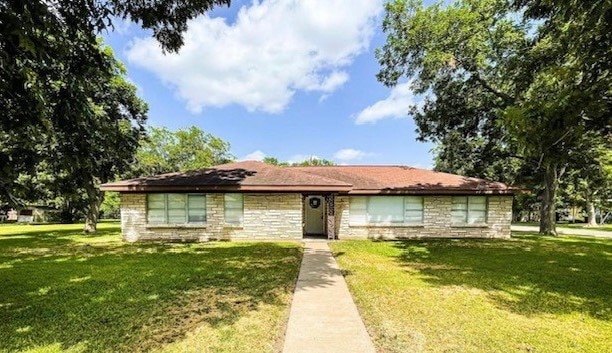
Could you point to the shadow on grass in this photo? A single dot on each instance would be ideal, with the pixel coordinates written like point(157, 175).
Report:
point(526, 275)
point(47, 228)
point(131, 297)
point(56, 238)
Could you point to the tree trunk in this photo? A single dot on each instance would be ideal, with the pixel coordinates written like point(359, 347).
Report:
point(547, 208)
point(592, 222)
point(94, 198)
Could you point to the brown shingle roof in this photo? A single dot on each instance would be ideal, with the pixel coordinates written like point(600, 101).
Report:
point(239, 176)
point(403, 179)
point(258, 176)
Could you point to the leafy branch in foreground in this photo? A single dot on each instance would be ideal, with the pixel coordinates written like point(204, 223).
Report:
point(62, 95)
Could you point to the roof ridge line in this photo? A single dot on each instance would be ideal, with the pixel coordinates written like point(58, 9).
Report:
point(319, 176)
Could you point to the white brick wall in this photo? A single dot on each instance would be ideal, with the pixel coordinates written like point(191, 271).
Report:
point(266, 216)
point(436, 221)
point(269, 216)
point(279, 216)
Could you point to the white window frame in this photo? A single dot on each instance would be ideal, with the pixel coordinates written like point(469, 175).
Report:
point(360, 211)
point(166, 209)
point(226, 208)
point(467, 209)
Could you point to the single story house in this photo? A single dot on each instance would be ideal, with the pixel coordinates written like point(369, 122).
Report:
point(254, 200)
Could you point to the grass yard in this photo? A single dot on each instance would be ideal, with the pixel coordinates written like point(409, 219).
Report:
point(62, 291)
point(528, 294)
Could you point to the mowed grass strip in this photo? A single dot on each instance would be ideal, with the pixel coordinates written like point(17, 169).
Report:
point(62, 291)
point(527, 294)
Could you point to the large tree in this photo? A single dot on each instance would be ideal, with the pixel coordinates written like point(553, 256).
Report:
point(504, 80)
point(103, 146)
point(589, 180)
point(51, 62)
point(77, 158)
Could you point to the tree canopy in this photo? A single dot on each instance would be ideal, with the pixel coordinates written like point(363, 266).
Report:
point(164, 151)
point(514, 86)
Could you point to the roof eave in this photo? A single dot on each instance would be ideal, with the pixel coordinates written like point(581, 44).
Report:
point(438, 191)
point(224, 188)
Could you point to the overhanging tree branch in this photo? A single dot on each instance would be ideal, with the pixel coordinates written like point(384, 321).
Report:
point(508, 99)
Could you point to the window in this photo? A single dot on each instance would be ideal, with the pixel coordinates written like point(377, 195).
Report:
point(156, 208)
point(358, 210)
point(385, 210)
point(469, 210)
point(234, 209)
point(196, 208)
point(176, 208)
point(413, 209)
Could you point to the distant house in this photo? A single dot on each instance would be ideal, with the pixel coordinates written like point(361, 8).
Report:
point(35, 214)
point(253, 200)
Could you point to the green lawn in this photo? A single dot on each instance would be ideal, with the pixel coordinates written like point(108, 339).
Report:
point(528, 294)
point(61, 291)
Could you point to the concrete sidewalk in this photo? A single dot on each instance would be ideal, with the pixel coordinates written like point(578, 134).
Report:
point(565, 231)
point(323, 316)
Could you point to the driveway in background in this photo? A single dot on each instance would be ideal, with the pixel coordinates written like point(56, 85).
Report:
point(566, 231)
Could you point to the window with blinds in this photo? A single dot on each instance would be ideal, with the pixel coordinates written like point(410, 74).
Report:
point(413, 209)
point(196, 208)
point(469, 210)
point(234, 209)
point(176, 208)
point(365, 210)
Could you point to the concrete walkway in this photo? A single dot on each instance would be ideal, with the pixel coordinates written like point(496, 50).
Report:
point(566, 231)
point(323, 316)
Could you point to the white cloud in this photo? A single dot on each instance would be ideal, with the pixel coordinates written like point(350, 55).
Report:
point(350, 154)
point(394, 106)
point(299, 158)
point(254, 156)
point(273, 49)
point(121, 26)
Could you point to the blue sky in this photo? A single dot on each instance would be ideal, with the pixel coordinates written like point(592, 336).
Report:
point(280, 78)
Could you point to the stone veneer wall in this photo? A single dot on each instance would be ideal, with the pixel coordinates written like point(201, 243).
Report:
point(269, 216)
point(279, 216)
point(436, 221)
point(266, 216)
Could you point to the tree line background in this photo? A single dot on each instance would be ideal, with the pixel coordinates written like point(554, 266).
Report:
point(517, 91)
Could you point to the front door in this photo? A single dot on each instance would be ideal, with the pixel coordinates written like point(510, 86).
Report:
point(314, 212)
